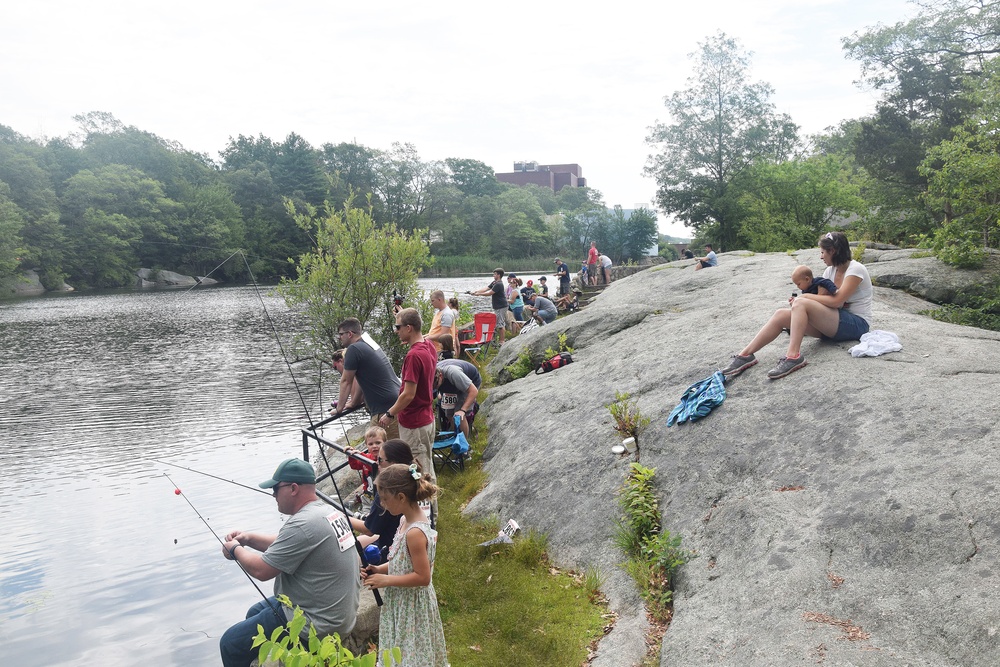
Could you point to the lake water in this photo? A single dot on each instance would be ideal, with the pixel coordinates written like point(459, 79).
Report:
point(102, 563)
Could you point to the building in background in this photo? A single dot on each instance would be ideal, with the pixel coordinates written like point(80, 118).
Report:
point(554, 176)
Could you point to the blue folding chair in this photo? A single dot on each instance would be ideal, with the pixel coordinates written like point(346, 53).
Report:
point(450, 448)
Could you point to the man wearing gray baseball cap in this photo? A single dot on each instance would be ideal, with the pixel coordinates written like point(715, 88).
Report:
point(312, 560)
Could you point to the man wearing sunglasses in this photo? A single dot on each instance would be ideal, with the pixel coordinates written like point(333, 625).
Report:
point(414, 408)
point(366, 376)
point(312, 560)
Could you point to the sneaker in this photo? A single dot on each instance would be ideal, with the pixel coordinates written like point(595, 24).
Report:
point(786, 366)
point(738, 365)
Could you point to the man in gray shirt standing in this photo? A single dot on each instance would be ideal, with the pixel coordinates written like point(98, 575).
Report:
point(312, 559)
point(365, 362)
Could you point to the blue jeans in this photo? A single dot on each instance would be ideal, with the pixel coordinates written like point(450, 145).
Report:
point(237, 642)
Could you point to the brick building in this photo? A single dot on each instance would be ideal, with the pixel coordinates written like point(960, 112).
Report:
point(554, 176)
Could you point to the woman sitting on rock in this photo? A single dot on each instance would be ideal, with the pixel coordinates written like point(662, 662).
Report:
point(843, 316)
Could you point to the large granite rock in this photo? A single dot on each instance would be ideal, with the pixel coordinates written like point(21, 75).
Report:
point(152, 278)
point(845, 514)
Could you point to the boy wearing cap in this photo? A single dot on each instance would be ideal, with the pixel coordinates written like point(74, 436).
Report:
point(312, 559)
point(542, 288)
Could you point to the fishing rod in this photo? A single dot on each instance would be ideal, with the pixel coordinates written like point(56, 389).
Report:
point(312, 425)
point(356, 515)
point(177, 491)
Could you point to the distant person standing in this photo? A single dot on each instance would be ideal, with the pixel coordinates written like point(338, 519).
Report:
point(444, 324)
point(562, 272)
point(606, 268)
point(414, 408)
point(708, 260)
point(542, 288)
point(593, 258)
point(496, 291)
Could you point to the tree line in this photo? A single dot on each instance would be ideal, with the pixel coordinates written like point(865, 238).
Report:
point(92, 207)
point(922, 170)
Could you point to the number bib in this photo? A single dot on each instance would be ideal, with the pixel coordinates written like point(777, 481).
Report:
point(342, 528)
point(449, 401)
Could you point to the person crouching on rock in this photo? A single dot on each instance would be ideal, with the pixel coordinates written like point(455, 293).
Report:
point(845, 315)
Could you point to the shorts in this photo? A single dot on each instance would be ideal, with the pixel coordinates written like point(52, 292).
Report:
point(547, 316)
point(592, 269)
point(501, 314)
point(850, 327)
point(704, 264)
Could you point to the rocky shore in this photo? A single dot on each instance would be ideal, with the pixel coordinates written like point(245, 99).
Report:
point(846, 514)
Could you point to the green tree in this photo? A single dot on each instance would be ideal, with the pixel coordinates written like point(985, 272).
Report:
point(787, 205)
point(964, 181)
point(351, 272)
point(723, 125)
point(11, 222)
point(472, 177)
point(922, 66)
point(626, 237)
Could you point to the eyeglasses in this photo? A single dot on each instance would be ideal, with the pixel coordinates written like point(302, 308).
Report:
point(274, 489)
point(341, 334)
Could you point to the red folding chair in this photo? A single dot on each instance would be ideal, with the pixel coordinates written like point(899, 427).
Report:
point(483, 326)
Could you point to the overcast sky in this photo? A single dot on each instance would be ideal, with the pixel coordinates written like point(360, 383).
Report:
point(497, 82)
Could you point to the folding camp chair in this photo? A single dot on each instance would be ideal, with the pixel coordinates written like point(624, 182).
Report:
point(483, 326)
point(450, 448)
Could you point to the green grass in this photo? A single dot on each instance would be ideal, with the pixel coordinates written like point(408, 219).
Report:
point(505, 605)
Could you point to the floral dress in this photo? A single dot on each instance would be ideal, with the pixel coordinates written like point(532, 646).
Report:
point(410, 617)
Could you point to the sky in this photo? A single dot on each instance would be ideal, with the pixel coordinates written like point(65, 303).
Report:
point(550, 82)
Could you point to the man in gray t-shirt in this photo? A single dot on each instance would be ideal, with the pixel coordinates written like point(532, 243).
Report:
point(365, 362)
point(457, 382)
point(313, 560)
point(543, 310)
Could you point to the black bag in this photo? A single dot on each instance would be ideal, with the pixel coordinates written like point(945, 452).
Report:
point(555, 362)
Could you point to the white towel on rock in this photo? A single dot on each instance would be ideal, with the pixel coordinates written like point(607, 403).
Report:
point(875, 343)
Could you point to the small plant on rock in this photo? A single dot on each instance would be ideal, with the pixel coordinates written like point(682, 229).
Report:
point(522, 366)
point(654, 555)
point(629, 421)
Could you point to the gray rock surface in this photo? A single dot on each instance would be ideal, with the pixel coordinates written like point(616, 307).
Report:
point(150, 278)
point(853, 493)
point(925, 276)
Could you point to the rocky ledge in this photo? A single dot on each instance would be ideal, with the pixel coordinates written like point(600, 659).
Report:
point(845, 514)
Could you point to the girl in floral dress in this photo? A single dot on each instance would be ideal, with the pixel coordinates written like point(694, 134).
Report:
point(410, 619)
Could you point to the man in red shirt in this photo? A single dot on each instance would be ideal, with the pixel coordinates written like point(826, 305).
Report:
point(593, 257)
point(414, 409)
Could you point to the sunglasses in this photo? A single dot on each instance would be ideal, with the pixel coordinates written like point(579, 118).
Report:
point(400, 326)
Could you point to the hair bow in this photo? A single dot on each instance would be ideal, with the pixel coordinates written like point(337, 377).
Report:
point(414, 473)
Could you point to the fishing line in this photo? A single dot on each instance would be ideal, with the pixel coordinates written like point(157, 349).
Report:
point(177, 490)
point(312, 425)
point(277, 338)
point(356, 515)
point(198, 283)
